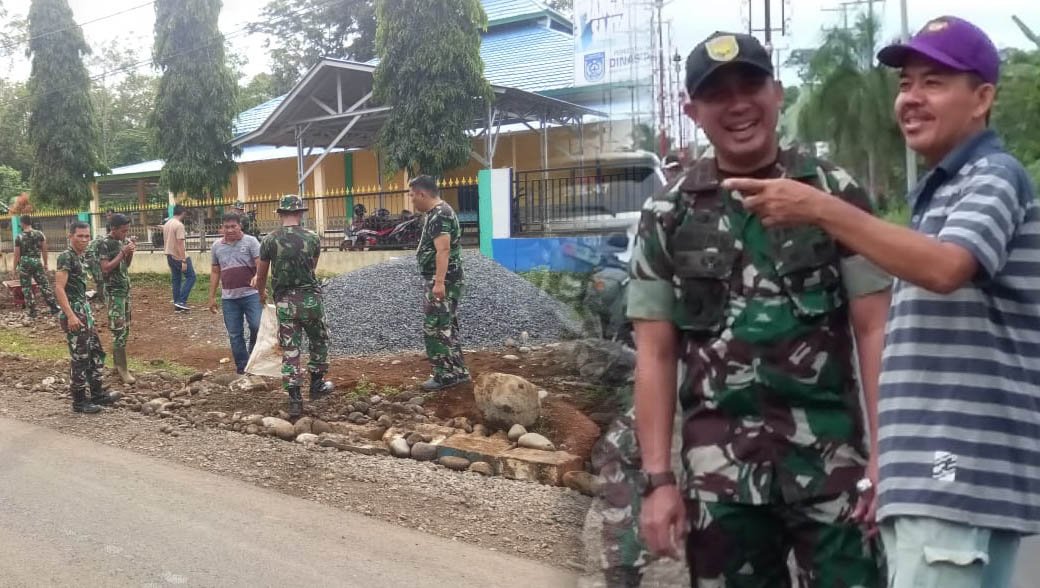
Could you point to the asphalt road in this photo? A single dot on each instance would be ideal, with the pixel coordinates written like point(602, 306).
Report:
point(77, 513)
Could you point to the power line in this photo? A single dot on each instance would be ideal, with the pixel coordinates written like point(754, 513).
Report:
point(12, 45)
point(220, 38)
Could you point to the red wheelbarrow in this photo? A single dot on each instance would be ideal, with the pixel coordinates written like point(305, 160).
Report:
point(15, 288)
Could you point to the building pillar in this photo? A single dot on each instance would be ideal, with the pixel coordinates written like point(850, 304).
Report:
point(495, 210)
point(95, 210)
point(242, 183)
point(318, 208)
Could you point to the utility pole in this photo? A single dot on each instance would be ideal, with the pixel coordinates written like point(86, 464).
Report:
point(768, 28)
point(663, 126)
point(911, 159)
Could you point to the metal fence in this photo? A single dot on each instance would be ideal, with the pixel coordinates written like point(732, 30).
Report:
point(578, 200)
point(332, 212)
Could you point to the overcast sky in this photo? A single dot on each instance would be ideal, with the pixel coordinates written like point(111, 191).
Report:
point(692, 21)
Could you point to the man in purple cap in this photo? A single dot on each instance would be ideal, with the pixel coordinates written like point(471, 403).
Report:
point(959, 409)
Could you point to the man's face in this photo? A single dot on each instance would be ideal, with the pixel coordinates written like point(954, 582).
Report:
point(120, 233)
point(738, 108)
point(80, 238)
point(937, 108)
point(420, 201)
point(232, 231)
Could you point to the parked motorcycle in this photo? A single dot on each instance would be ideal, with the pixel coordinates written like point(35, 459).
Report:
point(381, 230)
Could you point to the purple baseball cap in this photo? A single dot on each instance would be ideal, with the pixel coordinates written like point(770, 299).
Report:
point(950, 41)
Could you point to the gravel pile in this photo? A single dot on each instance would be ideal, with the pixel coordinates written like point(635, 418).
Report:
point(378, 309)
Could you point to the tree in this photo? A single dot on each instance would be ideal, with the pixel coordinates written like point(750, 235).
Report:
point(11, 183)
point(196, 100)
point(123, 97)
point(1016, 114)
point(302, 32)
point(62, 125)
point(260, 89)
point(431, 74)
point(849, 105)
point(15, 148)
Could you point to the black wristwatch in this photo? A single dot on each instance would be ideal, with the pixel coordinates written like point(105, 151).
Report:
point(650, 482)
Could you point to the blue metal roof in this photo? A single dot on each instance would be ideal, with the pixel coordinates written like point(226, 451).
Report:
point(521, 53)
point(249, 120)
point(499, 11)
point(532, 58)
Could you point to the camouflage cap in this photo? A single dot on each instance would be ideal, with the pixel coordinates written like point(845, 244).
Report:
point(291, 203)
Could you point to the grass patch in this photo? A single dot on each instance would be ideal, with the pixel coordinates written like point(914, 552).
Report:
point(199, 293)
point(15, 342)
point(567, 287)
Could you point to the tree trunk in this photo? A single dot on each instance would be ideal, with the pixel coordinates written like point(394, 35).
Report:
point(872, 177)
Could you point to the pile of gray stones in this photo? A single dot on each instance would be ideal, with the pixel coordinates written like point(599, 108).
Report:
point(378, 309)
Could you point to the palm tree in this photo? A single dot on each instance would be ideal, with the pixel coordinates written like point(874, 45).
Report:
point(849, 105)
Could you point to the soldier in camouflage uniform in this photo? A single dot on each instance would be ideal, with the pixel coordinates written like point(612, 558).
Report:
point(114, 255)
point(94, 264)
point(290, 253)
point(615, 458)
point(440, 263)
point(87, 357)
point(30, 262)
point(773, 439)
point(248, 221)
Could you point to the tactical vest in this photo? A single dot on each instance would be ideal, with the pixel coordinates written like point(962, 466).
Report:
point(708, 263)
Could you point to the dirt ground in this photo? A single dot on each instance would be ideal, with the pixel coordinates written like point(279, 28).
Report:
point(198, 339)
point(527, 519)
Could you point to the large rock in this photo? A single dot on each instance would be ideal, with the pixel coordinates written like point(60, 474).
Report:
point(547, 467)
point(319, 426)
point(399, 448)
point(247, 384)
point(303, 425)
point(424, 452)
point(459, 464)
point(474, 449)
point(279, 428)
point(506, 400)
point(535, 441)
point(515, 432)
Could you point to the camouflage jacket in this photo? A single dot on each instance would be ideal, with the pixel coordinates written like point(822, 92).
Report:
point(770, 398)
point(30, 244)
point(90, 257)
point(75, 266)
point(249, 226)
point(117, 280)
point(440, 220)
point(293, 253)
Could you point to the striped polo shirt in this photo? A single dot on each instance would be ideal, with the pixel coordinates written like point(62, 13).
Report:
point(959, 425)
point(237, 263)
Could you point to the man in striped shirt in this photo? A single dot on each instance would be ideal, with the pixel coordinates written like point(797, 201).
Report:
point(959, 409)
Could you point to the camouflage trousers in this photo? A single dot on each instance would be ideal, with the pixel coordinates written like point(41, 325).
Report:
point(615, 458)
point(118, 317)
point(300, 312)
point(87, 356)
point(441, 332)
point(29, 269)
point(734, 545)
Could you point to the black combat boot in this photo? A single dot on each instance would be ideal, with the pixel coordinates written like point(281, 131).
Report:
point(100, 396)
point(295, 402)
point(81, 404)
point(320, 387)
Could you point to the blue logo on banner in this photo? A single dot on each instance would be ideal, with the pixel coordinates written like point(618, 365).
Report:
point(595, 66)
